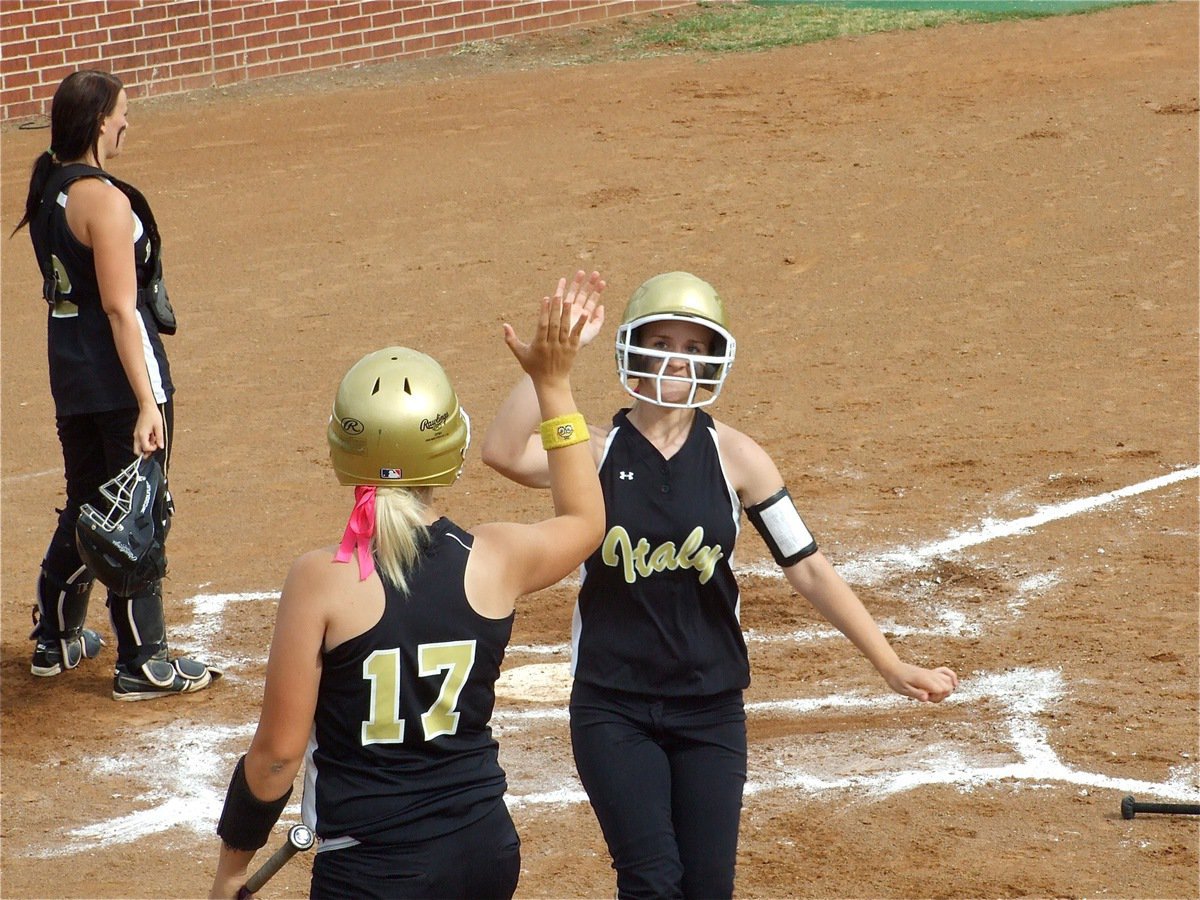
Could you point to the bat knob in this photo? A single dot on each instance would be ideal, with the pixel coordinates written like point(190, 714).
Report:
point(301, 837)
point(1127, 810)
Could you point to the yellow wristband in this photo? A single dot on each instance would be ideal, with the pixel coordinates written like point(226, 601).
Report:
point(563, 431)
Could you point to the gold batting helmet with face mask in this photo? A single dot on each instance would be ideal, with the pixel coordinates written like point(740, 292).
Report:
point(674, 296)
point(397, 422)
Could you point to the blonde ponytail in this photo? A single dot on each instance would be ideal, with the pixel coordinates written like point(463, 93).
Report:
point(400, 531)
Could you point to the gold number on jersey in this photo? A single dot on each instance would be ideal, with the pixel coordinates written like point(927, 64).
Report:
point(63, 308)
point(456, 659)
point(382, 669)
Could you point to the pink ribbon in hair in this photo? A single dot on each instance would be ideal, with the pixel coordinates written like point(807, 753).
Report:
point(359, 530)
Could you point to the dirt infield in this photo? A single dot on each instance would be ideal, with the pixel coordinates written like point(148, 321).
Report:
point(961, 266)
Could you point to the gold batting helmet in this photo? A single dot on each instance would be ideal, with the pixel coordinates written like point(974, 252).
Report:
point(676, 296)
point(397, 422)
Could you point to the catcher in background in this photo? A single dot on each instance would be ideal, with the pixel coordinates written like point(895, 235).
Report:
point(98, 250)
point(382, 671)
point(658, 723)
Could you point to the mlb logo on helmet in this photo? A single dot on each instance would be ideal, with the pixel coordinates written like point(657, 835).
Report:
point(391, 474)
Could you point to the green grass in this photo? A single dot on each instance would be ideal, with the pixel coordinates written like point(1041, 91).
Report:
point(764, 24)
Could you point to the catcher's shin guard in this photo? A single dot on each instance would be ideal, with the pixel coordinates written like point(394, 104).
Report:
point(62, 605)
point(144, 668)
point(139, 625)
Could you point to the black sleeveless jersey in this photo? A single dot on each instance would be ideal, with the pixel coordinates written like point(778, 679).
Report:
point(86, 375)
point(658, 609)
point(401, 749)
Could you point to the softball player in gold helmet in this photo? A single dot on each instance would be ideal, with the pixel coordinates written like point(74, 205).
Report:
point(658, 722)
point(387, 646)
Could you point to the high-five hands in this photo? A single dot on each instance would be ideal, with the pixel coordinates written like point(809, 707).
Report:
point(584, 295)
point(562, 323)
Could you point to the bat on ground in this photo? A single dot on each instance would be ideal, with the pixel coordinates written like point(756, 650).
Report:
point(1131, 807)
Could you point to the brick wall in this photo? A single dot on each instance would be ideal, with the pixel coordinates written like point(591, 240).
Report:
point(167, 46)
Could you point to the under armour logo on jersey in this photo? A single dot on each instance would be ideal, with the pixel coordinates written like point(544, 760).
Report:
point(626, 476)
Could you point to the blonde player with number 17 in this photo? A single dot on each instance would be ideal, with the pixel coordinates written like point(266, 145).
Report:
point(387, 647)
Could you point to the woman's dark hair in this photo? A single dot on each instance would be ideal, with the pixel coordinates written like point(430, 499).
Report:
point(80, 105)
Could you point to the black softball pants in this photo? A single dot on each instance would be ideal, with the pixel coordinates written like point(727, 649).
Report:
point(480, 861)
point(665, 777)
point(95, 447)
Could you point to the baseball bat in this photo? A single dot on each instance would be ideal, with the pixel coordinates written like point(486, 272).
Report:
point(1131, 807)
point(299, 838)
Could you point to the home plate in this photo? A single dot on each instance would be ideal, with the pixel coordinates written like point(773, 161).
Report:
point(541, 682)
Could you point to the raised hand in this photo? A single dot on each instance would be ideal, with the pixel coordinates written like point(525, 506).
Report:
point(550, 354)
point(584, 295)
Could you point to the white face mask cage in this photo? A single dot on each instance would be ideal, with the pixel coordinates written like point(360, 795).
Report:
point(638, 366)
point(118, 490)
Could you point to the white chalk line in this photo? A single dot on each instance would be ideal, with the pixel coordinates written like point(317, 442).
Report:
point(189, 800)
point(1023, 694)
point(30, 476)
point(870, 570)
point(950, 623)
point(184, 796)
point(203, 634)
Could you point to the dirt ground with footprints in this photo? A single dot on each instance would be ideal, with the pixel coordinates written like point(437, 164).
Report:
point(961, 266)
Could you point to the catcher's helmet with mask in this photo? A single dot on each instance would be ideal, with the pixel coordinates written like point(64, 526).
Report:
point(397, 422)
point(675, 296)
point(125, 546)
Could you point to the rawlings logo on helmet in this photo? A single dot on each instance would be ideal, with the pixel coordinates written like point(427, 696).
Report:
point(125, 547)
point(436, 422)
